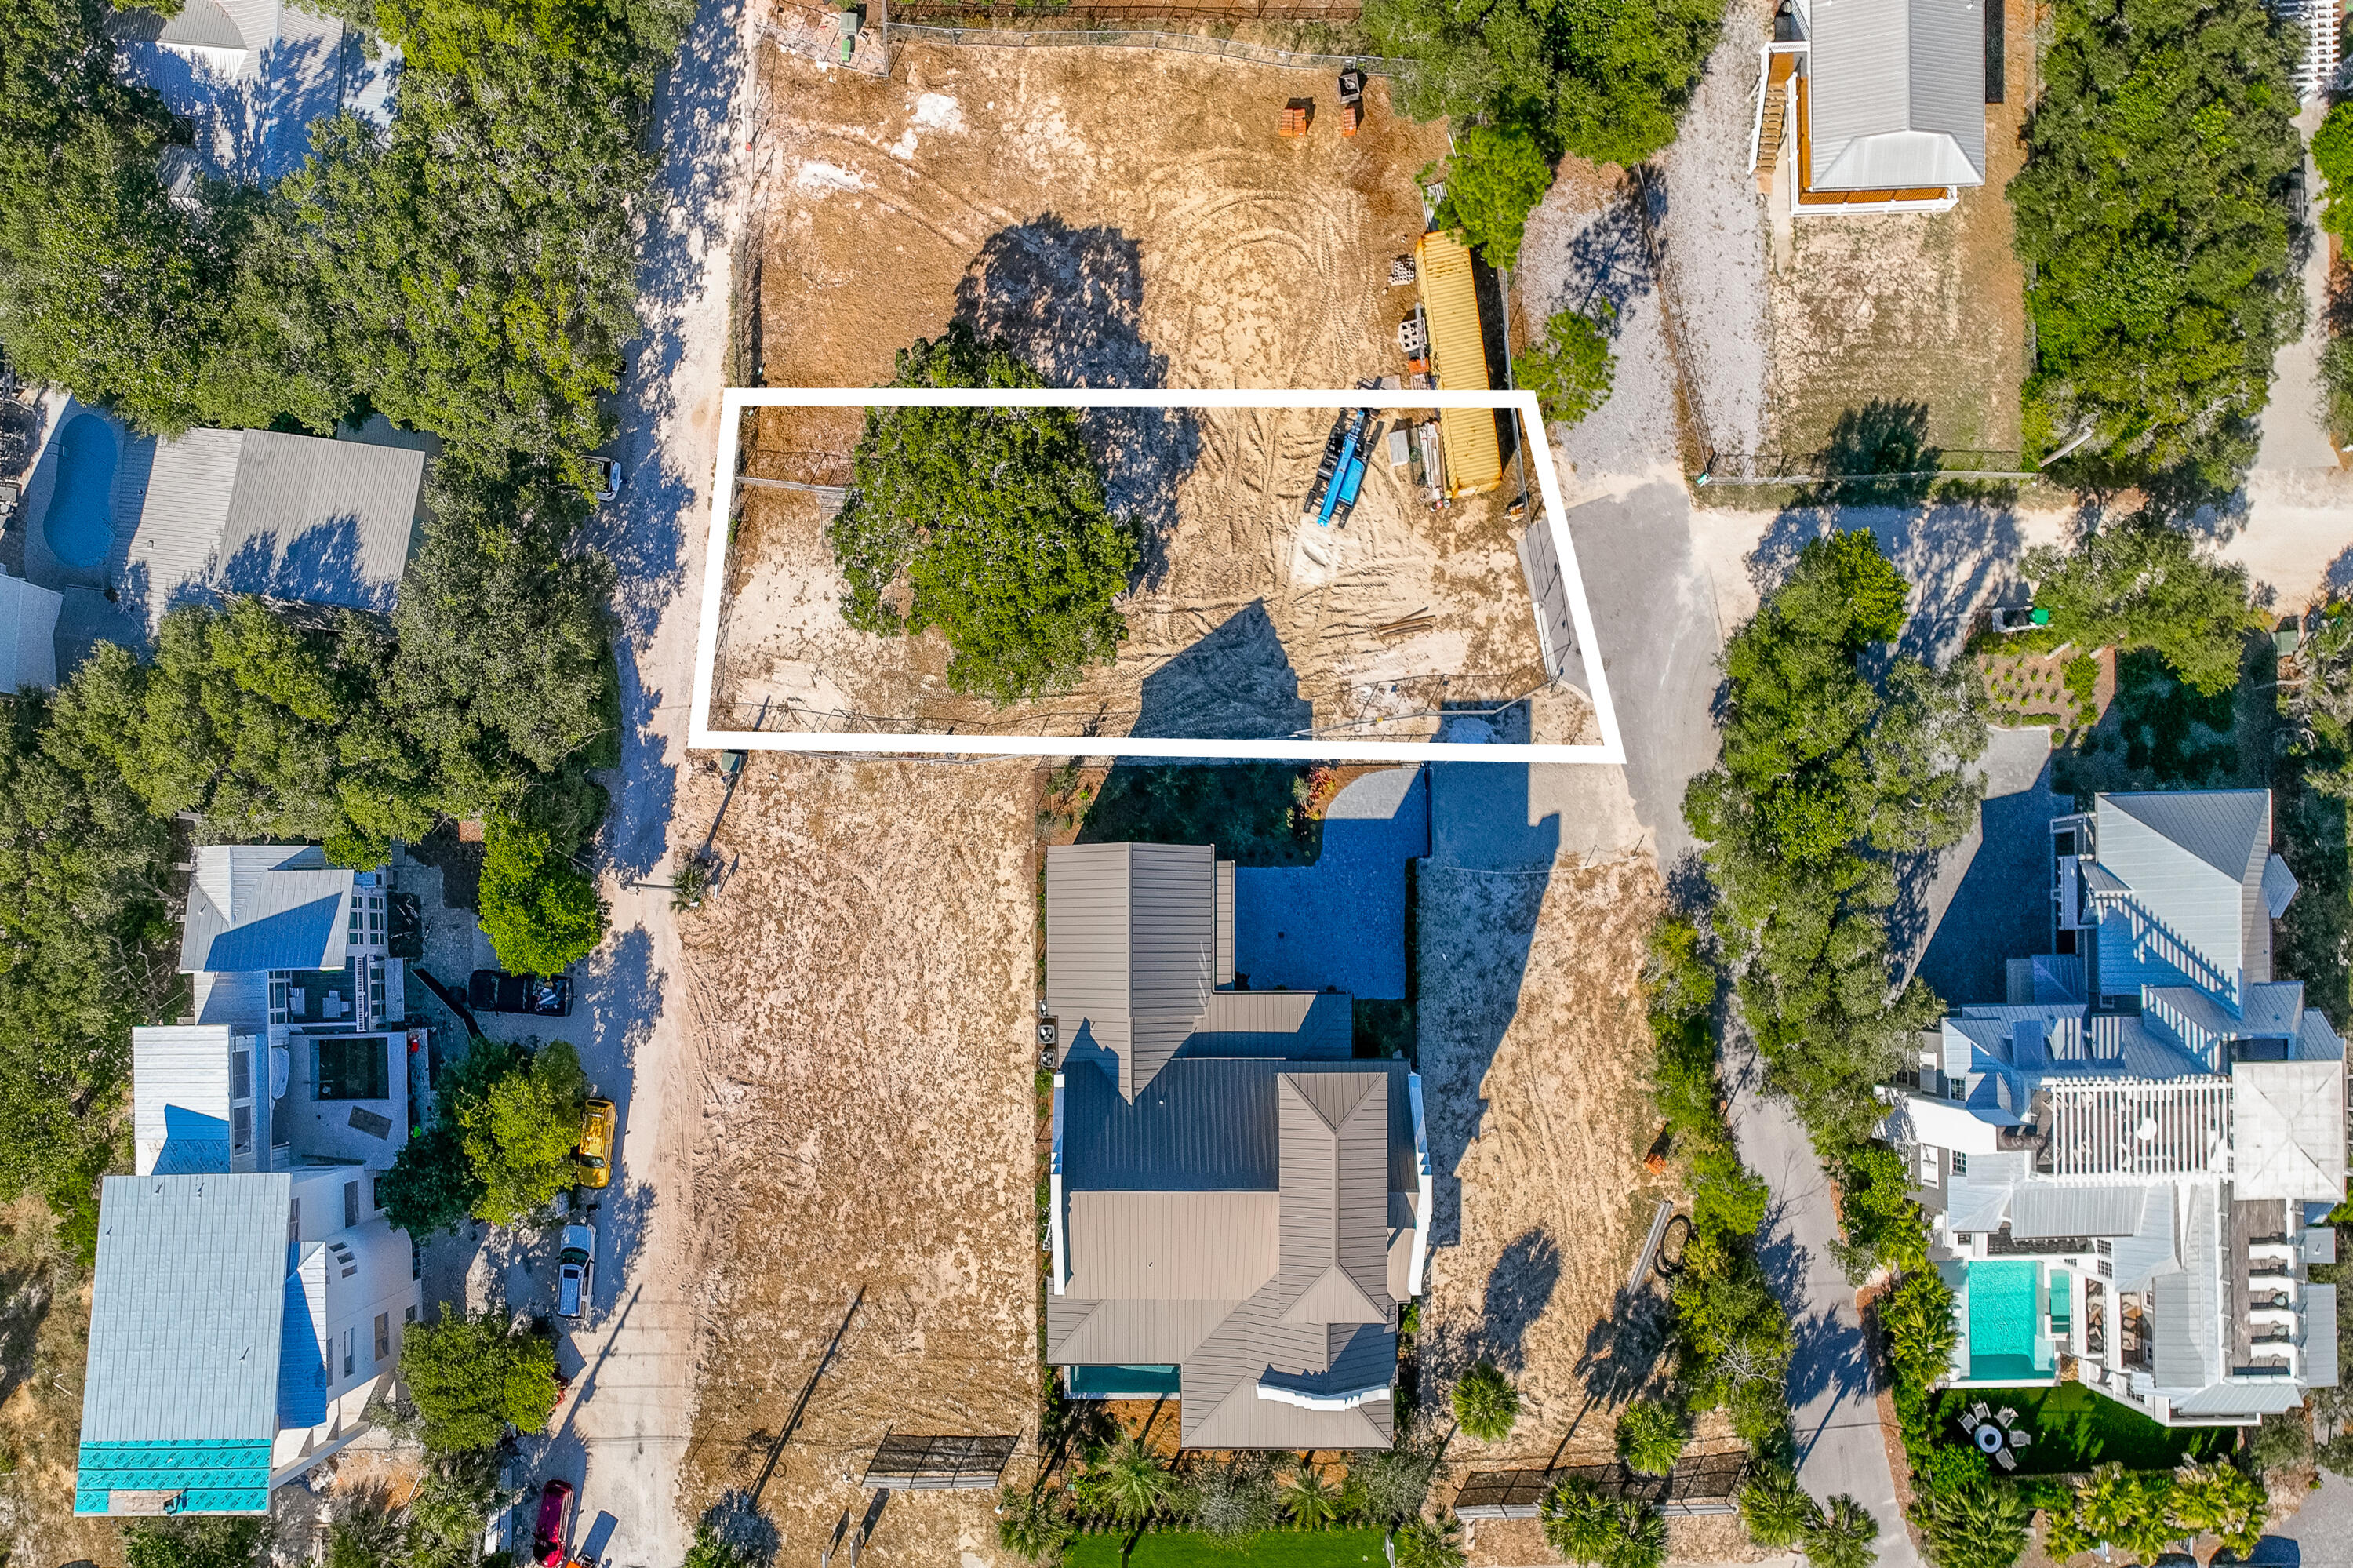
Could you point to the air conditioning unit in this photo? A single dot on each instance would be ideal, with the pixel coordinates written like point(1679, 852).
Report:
point(1049, 1033)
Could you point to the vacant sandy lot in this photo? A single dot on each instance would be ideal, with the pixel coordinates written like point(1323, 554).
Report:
point(1125, 217)
point(1252, 620)
point(863, 979)
point(1534, 1052)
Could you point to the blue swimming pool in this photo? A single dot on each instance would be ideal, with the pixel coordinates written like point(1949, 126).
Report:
point(2004, 1318)
point(80, 523)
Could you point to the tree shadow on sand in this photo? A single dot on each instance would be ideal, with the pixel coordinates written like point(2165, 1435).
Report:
point(1071, 302)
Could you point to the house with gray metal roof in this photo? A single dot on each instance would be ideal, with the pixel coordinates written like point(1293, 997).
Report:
point(2128, 1159)
point(1237, 1205)
point(1884, 100)
point(250, 1294)
point(297, 518)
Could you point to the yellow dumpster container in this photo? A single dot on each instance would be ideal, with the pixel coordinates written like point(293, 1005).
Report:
point(1459, 356)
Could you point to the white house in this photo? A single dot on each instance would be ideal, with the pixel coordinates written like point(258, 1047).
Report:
point(250, 1297)
point(2129, 1158)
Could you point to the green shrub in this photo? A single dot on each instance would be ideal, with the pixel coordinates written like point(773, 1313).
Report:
point(1030, 1525)
point(2141, 584)
point(519, 1133)
point(2332, 154)
point(218, 1542)
point(2283, 1442)
point(2223, 1500)
point(1578, 1522)
point(1571, 366)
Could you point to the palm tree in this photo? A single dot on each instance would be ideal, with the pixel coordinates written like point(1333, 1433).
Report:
point(1775, 1508)
point(1840, 1535)
point(1486, 1405)
point(1651, 1436)
point(1641, 1536)
point(1430, 1543)
point(1974, 1522)
point(1030, 1525)
point(1313, 1501)
point(1578, 1522)
point(1133, 1480)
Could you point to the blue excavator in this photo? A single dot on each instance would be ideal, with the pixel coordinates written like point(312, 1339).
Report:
point(1341, 474)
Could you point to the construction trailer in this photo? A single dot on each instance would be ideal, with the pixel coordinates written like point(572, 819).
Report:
point(1458, 350)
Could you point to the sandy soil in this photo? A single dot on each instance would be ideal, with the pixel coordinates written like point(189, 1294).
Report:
point(1923, 309)
point(1125, 219)
point(864, 976)
point(1533, 1054)
point(1714, 1539)
point(1256, 621)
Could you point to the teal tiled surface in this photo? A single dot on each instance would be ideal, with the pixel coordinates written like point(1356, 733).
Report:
point(215, 1476)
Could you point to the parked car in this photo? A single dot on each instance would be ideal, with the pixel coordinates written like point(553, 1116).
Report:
point(547, 1534)
point(575, 1265)
point(594, 1155)
point(609, 477)
point(495, 991)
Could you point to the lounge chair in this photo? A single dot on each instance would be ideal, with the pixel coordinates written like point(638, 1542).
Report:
point(2005, 1415)
point(2021, 1438)
point(2003, 1458)
point(1979, 1413)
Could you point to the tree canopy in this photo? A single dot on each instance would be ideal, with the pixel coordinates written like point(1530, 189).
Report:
point(2152, 213)
point(1486, 1405)
point(1570, 368)
point(1495, 176)
point(1603, 81)
point(473, 1378)
point(996, 519)
point(1836, 760)
point(500, 1144)
point(540, 911)
point(2142, 584)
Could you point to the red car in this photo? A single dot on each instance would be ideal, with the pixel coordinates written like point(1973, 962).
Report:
point(548, 1535)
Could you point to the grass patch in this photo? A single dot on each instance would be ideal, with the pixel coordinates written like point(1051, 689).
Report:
point(2074, 1428)
point(1250, 810)
point(1269, 1549)
point(2159, 734)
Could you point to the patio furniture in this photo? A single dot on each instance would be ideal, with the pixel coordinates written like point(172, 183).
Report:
point(2021, 1438)
point(1989, 1439)
point(2005, 1415)
point(2002, 1456)
point(1979, 1411)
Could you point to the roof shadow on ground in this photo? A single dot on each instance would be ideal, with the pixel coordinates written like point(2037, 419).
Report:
point(2001, 908)
point(1235, 684)
point(1477, 899)
point(1250, 810)
point(1071, 302)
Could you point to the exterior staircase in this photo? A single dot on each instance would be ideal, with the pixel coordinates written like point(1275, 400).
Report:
point(1776, 121)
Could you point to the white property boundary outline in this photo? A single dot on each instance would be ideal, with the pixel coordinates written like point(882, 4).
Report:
point(1611, 751)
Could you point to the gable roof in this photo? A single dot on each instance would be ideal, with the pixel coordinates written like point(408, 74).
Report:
point(1335, 1197)
point(185, 1332)
point(265, 907)
point(2190, 867)
point(294, 517)
point(1130, 948)
point(1895, 93)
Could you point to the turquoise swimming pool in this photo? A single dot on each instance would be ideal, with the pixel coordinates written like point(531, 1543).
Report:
point(79, 523)
point(2004, 1320)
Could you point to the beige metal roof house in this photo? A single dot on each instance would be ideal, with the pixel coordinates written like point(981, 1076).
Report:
point(1884, 99)
point(295, 517)
point(1238, 1206)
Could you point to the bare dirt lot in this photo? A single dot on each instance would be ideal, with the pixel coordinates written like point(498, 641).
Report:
point(1926, 311)
point(1125, 218)
point(1253, 618)
point(1120, 220)
point(1533, 1056)
point(862, 982)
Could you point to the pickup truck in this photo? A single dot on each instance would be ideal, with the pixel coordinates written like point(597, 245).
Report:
point(496, 991)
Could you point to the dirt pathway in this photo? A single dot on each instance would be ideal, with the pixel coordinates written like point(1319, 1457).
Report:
point(625, 1428)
